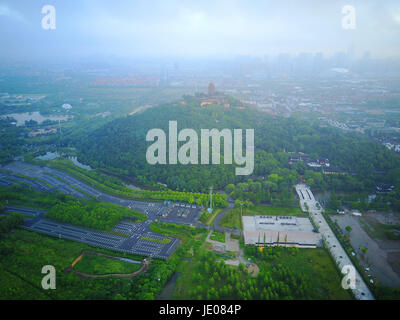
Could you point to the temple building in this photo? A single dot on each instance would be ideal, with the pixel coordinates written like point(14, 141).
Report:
point(211, 89)
point(213, 97)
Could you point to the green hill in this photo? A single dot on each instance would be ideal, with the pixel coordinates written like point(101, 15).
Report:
point(120, 146)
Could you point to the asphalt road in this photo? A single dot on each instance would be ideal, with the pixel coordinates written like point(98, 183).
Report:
point(361, 290)
point(218, 227)
point(58, 180)
point(131, 244)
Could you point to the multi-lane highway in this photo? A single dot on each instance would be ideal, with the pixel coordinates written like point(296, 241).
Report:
point(308, 203)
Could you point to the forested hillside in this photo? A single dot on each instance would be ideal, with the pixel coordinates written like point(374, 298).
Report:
point(121, 146)
point(9, 141)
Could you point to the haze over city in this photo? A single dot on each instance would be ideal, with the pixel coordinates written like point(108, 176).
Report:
point(220, 151)
point(193, 29)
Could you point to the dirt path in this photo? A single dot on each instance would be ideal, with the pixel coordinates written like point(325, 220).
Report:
point(143, 268)
point(231, 244)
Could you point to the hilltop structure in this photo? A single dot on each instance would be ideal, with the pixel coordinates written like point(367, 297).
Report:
point(211, 89)
point(211, 97)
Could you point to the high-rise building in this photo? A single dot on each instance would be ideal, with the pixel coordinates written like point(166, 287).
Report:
point(211, 89)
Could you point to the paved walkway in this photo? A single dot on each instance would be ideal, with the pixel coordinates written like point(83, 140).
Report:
point(376, 258)
point(231, 244)
point(308, 203)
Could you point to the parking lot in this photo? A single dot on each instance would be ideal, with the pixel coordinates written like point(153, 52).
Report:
point(376, 258)
point(182, 213)
point(46, 182)
point(132, 242)
point(9, 179)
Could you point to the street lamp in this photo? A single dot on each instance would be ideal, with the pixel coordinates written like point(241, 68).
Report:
point(241, 212)
point(241, 209)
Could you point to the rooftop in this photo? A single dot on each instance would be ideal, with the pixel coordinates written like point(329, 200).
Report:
point(279, 230)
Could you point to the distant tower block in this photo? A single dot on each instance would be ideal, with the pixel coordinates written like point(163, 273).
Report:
point(211, 191)
point(211, 89)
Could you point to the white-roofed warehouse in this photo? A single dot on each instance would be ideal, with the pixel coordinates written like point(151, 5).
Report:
point(280, 230)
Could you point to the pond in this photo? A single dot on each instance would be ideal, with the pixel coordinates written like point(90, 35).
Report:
point(48, 156)
point(130, 261)
point(76, 162)
point(131, 186)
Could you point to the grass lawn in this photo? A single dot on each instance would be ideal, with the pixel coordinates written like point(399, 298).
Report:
point(205, 216)
point(316, 265)
point(14, 288)
point(93, 264)
point(320, 278)
point(218, 236)
point(274, 211)
point(380, 231)
point(164, 241)
point(23, 255)
point(232, 218)
point(208, 218)
point(175, 230)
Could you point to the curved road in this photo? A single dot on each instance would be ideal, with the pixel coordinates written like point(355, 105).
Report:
point(53, 180)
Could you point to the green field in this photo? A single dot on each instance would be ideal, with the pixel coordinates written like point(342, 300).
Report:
point(12, 287)
point(24, 253)
point(285, 273)
point(93, 264)
point(20, 196)
point(218, 236)
point(208, 218)
point(114, 186)
point(274, 211)
point(175, 230)
point(93, 214)
point(232, 218)
point(165, 240)
point(323, 280)
point(380, 231)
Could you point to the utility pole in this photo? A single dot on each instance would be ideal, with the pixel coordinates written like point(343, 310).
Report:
point(59, 141)
point(241, 212)
point(211, 190)
point(241, 209)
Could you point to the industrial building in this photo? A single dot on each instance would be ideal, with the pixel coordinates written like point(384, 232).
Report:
point(280, 231)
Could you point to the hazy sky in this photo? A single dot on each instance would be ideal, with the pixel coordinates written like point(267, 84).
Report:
point(201, 28)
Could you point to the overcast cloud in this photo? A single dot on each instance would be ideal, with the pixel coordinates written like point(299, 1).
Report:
point(197, 28)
